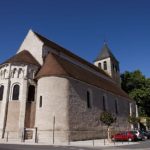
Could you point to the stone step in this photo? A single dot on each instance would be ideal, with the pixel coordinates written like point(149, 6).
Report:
point(28, 134)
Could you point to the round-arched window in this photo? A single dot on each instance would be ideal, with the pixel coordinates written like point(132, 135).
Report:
point(15, 95)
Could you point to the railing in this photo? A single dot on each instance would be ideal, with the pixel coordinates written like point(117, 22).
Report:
point(53, 137)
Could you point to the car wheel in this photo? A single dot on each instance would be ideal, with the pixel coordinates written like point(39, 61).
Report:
point(129, 139)
point(145, 137)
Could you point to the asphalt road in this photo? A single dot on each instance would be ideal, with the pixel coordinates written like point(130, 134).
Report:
point(144, 145)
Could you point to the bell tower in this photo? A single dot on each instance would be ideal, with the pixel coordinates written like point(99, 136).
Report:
point(107, 62)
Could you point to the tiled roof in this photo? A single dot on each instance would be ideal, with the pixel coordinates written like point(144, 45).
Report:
point(51, 67)
point(22, 57)
point(105, 53)
point(57, 66)
point(70, 54)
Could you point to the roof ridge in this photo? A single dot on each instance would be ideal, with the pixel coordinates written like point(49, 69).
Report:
point(77, 72)
point(70, 54)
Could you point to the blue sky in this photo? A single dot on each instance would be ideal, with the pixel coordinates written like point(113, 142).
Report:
point(81, 26)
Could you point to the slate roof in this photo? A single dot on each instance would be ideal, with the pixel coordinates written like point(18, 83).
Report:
point(57, 66)
point(22, 57)
point(105, 53)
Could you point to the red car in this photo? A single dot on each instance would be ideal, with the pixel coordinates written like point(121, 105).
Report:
point(124, 136)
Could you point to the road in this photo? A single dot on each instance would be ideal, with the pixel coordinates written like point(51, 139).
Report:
point(145, 145)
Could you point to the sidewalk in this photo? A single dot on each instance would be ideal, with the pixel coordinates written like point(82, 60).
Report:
point(100, 143)
point(87, 143)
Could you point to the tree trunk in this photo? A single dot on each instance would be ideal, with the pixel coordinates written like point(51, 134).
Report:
point(109, 134)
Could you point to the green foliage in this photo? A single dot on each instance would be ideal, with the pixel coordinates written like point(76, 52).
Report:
point(107, 118)
point(133, 120)
point(148, 122)
point(138, 88)
point(132, 80)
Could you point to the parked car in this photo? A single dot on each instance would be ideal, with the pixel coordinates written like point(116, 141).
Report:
point(139, 134)
point(146, 134)
point(124, 136)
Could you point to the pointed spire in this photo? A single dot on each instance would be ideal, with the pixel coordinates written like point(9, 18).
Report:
point(105, 53)
point(105, 42)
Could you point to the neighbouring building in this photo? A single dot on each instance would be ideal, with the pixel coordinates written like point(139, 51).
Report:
point(49, 93)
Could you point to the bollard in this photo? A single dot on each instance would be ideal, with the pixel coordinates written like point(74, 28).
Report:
point(93, 143)
point(104, 142)
point(37, 138)
point(7, 137)
point(36, 135)
point(23, 140)
point(114, 143)
point(69, 140)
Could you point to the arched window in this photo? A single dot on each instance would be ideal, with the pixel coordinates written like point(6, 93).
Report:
point(34, 74)
point(5, 73)
point(15, 95)
point(14, 73)
point(113, 67)
point(31, 93)
point(116, 107)
point(88, 98)
point(104, 103)
point(105, 65)
point(99, 65)
point(20, 73)
point(1, 92)
point(1, 74)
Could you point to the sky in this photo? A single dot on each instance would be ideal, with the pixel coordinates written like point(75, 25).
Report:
point(81, 26)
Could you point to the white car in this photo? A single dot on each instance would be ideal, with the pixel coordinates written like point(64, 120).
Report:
point(139, 134)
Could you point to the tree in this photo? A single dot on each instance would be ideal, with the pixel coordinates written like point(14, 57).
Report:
point(148, 122)
point(133, 120)
point(108, 120)
point(132, 80)
point(138, 88)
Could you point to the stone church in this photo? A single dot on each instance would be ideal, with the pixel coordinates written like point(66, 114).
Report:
point(48, 93)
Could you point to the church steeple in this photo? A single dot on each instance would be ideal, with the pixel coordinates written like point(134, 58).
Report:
point(105, 53)
point(107, 61)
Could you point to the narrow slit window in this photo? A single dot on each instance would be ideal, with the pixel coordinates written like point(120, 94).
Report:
point(104, 104)
point(40, 105)
point(88, 100)
point(1, 92)
point(116, 107)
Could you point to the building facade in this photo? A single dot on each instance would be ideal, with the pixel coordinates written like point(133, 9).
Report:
point(48, 93)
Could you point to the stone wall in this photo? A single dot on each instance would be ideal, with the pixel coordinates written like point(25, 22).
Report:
point(12, 123)
point(30, 114)
point(51, 108)
point(83, 121)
